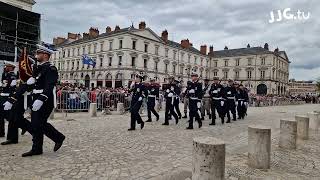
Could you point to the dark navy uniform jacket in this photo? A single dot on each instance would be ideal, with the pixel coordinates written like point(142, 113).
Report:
point(154, 90)
point(196, 88)
point(139, 90)
point(216, 91)
point(230, 92)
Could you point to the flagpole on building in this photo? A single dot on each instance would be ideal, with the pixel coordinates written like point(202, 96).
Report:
point(16, 40)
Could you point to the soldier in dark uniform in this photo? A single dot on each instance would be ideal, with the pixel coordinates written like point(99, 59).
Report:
point(186, 101)
point(153, 90)
point(242, 99)
point(170, 95)
point(217, 94)
point(9, 83)
point(231, 103)
point(194, 91)
point(177, 91)
point(43, 81)
point(139, 91)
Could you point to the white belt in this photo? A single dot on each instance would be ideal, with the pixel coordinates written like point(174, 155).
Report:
point(152, 96)
point(216, 98)
point(193, 98)
point(240, 99)
point(231, 97)
point(35, 91)
point(5, 94)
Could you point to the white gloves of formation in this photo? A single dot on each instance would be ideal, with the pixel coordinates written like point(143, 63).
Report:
point(31, 81)
point(13, 83)
point(222, 103)
point(198, 105)
point(7, 106)
point(140, 99)
point(170, 94)
point(37, 105)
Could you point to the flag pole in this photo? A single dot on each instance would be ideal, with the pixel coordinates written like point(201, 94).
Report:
point(15, 41)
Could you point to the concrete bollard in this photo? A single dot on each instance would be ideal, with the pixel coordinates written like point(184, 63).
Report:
point(288, 134)
point(93, 110)
point(259, 146)
point(120, 108)
point(302, 127)
point(314, 122)
point(208, 160)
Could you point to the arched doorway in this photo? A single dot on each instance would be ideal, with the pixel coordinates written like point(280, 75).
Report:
point(262, 89)
point(118, 82)
point(87, 81)
point(109, 80)
point(99, 80)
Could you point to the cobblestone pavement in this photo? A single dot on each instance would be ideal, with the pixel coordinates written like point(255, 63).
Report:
point(102, 148)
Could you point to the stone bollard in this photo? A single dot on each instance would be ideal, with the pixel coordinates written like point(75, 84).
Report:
point(259, 146)
point(288, 134)
point(314, 122)
point(208, 159)
point(302, 127)
point(93, 110)
point(120, 108)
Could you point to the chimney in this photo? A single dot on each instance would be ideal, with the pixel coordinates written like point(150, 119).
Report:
point(203, 49)
point(85, 36)
point(248, 46)
point(108, 29)
point(185, 43)
point(266, 46)
point(164, 35)
point(58, 40)
point(93, 32)
point(117, 28)
point(73, 36)
point(142, 25)
point(226, 48)
point(210, 50)
point(276, 50)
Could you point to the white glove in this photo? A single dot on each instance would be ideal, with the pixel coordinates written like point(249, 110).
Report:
point(170, 94)
point(222, 103)
point(236, 103)
point(132, 84)
point(37, 105)
point(7, 106)
point(245, 103)
point(199, 105)
point(13, 83)
point(140, 99)
point(167, 90)
point(31, 81)
point(191, 91)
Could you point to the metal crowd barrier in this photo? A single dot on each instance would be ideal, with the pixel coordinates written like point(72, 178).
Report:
point(274, 102)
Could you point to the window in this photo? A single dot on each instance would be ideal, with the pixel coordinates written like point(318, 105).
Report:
point(166, 68)
point(262, 74)
point(133, 61)
point(238, 62)
point(78, 51)
point(174, 69)
point(156, 66)
point(110, 45)
point(82, 66)
point(156, 50)
point(189, 58)
point(72, 65)
point(120, 44)
point(73, 52)
point(68, 55)
point(237, 75)
point(134, 44)
point(215, 73)
point(68, 65)
point(174, 55)
point(195, 60)
point(226, 63)
point(145, 63)
point(120, 61)
point(263, 61)
point(101, 46)
point(101, 61)
point(166, 52)
point(94, 48)
point(181, 69)
point(78, 64)
point(225, 75)
point(216, 64)
point(83, 50)
point(249, 62)
point(145, 47)
point(249, 74)
point(110, 61)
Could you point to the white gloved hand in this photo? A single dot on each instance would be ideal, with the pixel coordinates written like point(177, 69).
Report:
point(7, 106)
point(37, 105)
point(31, 81)
point(132, 84)
point(191, 91)
point(222, 103)
point(245, 103)
point(170, 94)
point(236, 103)
point(13, 83)
point(140, 99)
point(167, 90)
point(199, 105)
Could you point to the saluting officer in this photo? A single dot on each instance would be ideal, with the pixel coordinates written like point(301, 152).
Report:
point(216, 94)
point(153, 90)
point(9, 83)
point(194, 91)
point(231, 103)
point(43, 81)
point(170, 95)
point(139, 91)
point(206, 100)
point(242, 100)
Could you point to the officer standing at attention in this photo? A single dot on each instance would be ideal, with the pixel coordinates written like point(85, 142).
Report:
point(170, 96)
point(44, 101)
point(231, 103)
point(195, 96)
point(9, 83)
point(153, 95)
point(206, 106)
point(216, 96)
point(139, 91)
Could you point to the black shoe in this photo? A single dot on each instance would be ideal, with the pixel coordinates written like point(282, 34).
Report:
point(58, 145)
point(202, 118)
point(212, 124)
point(185, 116)
point(189, 128)
point(149, 120)
point(23, 132)
point(158, 118)
point(31, 153)
point(222, 121)
point(142, 125)
point(228, 121)
point(131, 129)
point(200, 124)
point(209, 116)
point(165, 124)
point(179, 117)
point(177, 121)
point(239, 117)
point(8, 142)
point(234, 119)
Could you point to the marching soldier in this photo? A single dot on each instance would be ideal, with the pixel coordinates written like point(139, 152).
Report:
point(216, 94)
point(230, 102)
point(170, 96)
point(242, 100)
point(139, 92)
point(186, 101)
point(153, 95)
point(177, 91)
point(206, 100)
point(44, 100)
point(195, 96)
point(9, 83)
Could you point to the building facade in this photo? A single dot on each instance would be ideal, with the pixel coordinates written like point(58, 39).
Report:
point(22, 4)
point(122, 53)
point(302, 88)
point(262, 71)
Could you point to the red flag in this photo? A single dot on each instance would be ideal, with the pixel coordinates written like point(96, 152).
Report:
point(25, 69)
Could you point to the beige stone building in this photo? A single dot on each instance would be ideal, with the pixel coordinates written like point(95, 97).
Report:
point(302, 88)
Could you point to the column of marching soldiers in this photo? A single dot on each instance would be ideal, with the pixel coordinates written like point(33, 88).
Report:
point(215, 100)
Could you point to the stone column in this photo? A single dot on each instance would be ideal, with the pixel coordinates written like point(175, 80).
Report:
point(288, 134)
point(259, 146)
point(314, 122)
point(93, 110)
point(302, 127)
point(208, 159)
point(120, 108)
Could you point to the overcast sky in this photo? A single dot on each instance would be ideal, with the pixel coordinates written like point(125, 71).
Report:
point(212, 22)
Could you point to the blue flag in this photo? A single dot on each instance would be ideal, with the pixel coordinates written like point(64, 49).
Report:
point(87, 60)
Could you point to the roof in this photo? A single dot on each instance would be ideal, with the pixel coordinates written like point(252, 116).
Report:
point(241, 52)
